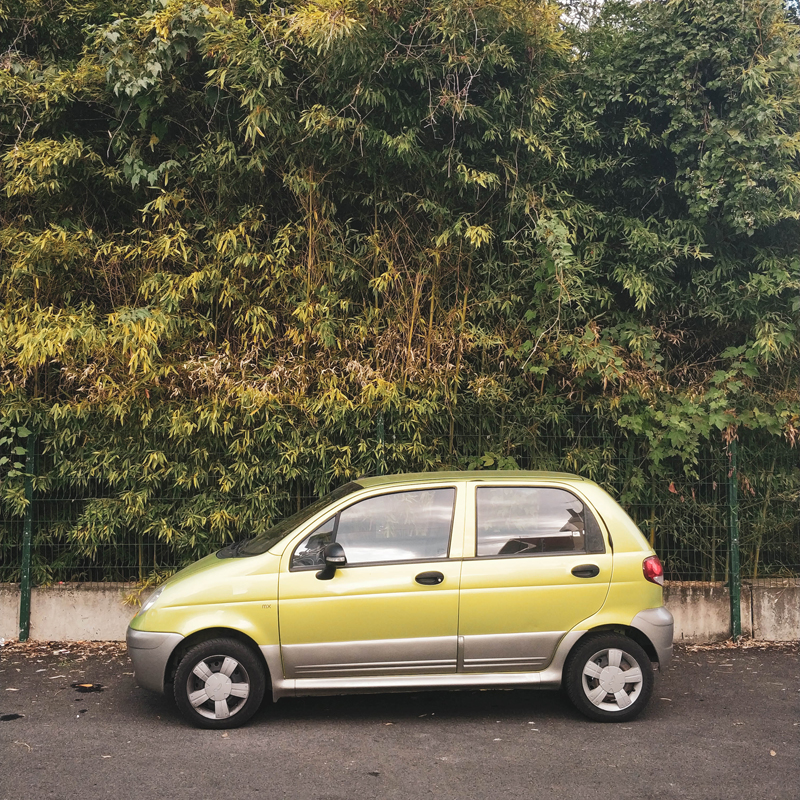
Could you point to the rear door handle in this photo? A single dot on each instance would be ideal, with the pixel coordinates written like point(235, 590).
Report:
point(586, 571)
point(429, 578)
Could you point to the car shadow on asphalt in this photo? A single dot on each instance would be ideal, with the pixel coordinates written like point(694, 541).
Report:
point(519, 705)
point(463, 705)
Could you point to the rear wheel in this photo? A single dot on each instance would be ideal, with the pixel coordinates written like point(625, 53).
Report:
point(609, 678)
point(219, 684)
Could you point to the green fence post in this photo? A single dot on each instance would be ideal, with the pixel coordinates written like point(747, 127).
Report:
point(27, 539)
point(734, 572)
point(381, 444)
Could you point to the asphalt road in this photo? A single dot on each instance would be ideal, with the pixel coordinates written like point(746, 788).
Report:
point(723, 723)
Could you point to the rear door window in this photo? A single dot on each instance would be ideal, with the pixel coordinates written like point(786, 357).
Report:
point(532, 521)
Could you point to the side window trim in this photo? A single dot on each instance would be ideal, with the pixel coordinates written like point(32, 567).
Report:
point(360, 564)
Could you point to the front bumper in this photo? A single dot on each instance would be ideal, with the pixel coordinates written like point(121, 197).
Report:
point(657, 625)
point(150, 652)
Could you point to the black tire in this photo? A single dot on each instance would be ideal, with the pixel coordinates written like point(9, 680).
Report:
point(600, 661)
point(238, 681)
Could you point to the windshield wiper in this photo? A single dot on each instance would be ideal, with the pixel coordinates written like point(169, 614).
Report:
point(232, 550)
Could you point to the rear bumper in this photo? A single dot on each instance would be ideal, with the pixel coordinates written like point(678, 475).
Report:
point(150, 654)
point(657, 625)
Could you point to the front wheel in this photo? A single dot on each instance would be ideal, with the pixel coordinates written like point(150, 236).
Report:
point(219, 684)
point(609, 678)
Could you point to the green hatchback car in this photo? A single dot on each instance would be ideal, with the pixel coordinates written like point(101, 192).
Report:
point(450, 580)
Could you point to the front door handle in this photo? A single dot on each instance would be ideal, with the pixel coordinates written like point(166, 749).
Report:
point(429, 578)
point(586, 571)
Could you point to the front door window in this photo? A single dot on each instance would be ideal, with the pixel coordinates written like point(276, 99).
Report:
point(389, 528)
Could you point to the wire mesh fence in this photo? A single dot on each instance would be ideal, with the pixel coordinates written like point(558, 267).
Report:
point(94, 533)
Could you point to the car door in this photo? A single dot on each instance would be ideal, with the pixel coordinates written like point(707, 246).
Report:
point(393, 608)
point(539, 565)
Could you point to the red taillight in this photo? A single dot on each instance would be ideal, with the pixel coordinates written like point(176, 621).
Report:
point(653, 570)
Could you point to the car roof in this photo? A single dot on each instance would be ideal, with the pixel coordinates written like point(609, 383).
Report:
point(466, 475)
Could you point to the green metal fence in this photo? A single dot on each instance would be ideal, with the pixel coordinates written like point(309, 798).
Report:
point(733, 517)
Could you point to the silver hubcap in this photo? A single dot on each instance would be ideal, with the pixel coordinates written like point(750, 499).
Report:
point(612, 679)
point(218, 687)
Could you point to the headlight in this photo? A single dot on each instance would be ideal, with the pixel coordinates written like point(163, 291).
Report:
point(150, 602)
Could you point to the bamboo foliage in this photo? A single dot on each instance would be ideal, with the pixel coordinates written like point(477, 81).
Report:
point(231, 235)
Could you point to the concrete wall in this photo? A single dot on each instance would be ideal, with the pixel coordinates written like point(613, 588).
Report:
point(776, 612)
point(69, 612)
point(702, 612)
point(75, 612)
point(9, 612)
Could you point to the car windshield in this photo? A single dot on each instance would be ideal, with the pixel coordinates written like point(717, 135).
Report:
point(257, 545)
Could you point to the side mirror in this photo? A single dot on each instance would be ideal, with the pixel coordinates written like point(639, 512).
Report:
point(334, 557)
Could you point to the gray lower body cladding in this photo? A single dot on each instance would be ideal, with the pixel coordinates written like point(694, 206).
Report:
point(150, 653)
